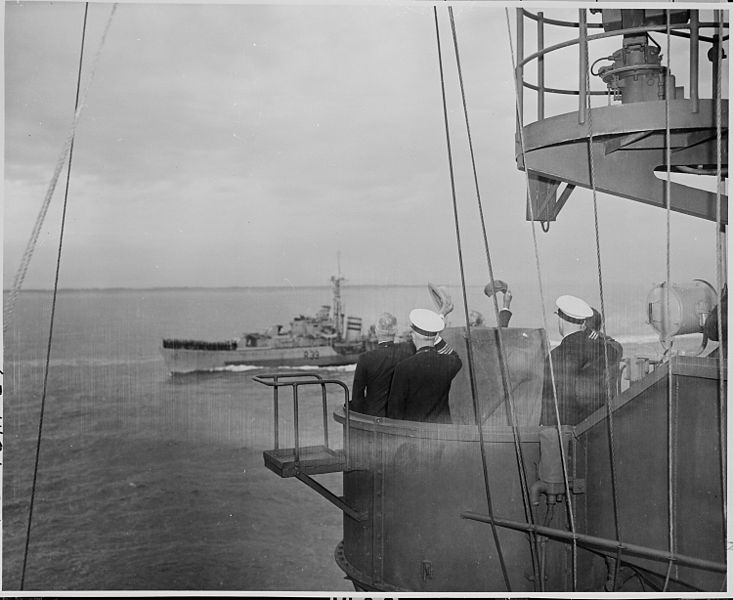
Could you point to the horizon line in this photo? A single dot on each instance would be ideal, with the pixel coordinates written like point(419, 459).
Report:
point(245, 287)
point(210, 287)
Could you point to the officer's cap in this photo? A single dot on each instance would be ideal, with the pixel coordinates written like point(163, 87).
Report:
point(426, 322)
point(573, 310)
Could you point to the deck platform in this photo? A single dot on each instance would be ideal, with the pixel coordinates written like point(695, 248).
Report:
point(313, 460)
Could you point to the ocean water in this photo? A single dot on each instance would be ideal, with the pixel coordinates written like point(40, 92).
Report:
point(153, 482)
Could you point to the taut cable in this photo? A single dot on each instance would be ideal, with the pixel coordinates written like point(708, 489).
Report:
point(607, 376)
point(35, 233)
point(538, 266)
point(53, 313)
point(720, 255)
point(508, 399)
point(670, 395)
point(468, 330)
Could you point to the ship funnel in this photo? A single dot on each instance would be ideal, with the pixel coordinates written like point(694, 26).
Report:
point(353, 329)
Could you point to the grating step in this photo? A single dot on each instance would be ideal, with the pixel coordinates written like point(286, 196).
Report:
point(313, 460)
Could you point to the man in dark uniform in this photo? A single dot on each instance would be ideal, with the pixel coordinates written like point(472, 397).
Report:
point(421, 383)
point(374, 369)
point(579, 364)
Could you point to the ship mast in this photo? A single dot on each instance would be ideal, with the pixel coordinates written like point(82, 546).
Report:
point(337, 306)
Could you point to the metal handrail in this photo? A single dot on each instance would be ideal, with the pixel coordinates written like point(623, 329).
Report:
point(559, 22)
point(273, 380)
point(690, 30)
point(606, 544)
point(608, 34)
point(562, 23)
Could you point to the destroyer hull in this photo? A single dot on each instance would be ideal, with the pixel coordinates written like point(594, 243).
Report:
point(185, 360)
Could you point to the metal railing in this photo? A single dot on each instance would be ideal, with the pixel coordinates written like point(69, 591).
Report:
point(606, 544)
point(689, 30)
point(296, 381)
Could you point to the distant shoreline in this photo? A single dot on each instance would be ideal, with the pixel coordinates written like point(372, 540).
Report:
point(348, 286)
point(217, 288)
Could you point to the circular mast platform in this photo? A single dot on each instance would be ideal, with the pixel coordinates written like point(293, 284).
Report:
point(628, 137)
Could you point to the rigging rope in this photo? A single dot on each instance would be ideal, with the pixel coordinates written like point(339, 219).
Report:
point(720, 228)
point(66, 151)
point(70, 149)
point(508, 398)
point(668, 211)
point(538, 266)
point(609, 391)
point(720, 233)
point(465, 304)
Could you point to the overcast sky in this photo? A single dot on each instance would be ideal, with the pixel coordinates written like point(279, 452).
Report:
point(238, 145)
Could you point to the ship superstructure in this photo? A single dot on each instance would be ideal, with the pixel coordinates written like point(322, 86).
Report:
point(632, 498)
point(328, 338)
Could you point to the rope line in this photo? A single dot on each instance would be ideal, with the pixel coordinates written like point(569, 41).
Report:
point(669, 573)
point(468, 328)
point(670, 397)
point(672, 417)
point(538, 267)
point(720, 254)
point(599, 263)
point(508, 397)
point(35, 233)
point(53, 314)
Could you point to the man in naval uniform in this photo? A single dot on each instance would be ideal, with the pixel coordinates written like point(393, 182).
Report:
point(421, 383)
point(374, 369)
point(579, 364)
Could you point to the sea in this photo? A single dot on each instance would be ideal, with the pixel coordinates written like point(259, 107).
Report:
point(148, 481)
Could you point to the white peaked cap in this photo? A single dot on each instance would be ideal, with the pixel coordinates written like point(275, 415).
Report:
point(573, 309)
point(426, 322)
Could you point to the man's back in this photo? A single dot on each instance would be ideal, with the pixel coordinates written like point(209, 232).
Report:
point(373, 377)
point(579, 364)
point(420, 386)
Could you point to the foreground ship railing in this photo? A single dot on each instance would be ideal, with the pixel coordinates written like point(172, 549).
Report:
point(303, 461)
point(619, 548)
point(412, 498)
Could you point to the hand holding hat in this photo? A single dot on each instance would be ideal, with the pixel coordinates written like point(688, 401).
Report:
point(495, 287)
point(441, 298)
point(507, 299)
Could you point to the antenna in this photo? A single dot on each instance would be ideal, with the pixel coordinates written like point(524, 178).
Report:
point(338, 308)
